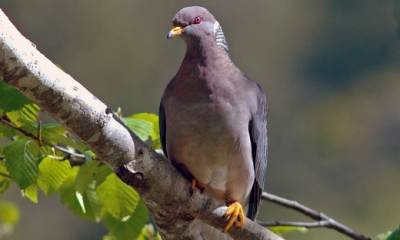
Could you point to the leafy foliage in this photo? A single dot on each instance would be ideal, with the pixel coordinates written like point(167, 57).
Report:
point(48, 158)
point(20, 162)
point(52, 174)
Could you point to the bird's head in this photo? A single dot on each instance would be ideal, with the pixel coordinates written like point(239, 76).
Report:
point(194, 24)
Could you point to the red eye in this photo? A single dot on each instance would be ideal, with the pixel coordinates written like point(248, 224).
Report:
point(197, 20)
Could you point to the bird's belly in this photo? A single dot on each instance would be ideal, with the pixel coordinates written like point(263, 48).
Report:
point(219, 157)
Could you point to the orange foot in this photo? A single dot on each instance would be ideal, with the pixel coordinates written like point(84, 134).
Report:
point(193, 181)
point(235, 211)
point(193, 185)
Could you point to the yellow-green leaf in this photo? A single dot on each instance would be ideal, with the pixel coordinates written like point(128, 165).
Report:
point(52, 174)
point(85, 175)
point(119, 199)
point(85, 190)
point(142, 128)
point(155, 133)
point(67, 192)
point(31, 192)
point(29, 112)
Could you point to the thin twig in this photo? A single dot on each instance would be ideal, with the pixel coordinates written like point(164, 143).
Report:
point(318, 216)
point(323, 223)
point(5, 175)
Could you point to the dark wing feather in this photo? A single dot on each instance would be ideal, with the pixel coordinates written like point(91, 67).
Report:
point(162, 125)
point(259, 143)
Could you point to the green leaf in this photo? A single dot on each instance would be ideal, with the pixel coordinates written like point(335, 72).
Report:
point(85, 190)
point(119, 199)
point(102, 173)
point(131, 227)
point(91, 201)
point(7, 132)
point(142, 128)
point(9, 213)
point(5, 180)
point(395, 235)
point(155, 133)
point(21, 163)
point(68, 195)
point(31, 192)
point(29, 112)
point(285, 229)
point(85, 175)
point(67, 192)
point(52, 174)
point(53, 133)
point(11, 99)
point(40, 152)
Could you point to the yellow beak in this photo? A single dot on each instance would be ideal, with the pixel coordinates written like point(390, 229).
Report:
point(176, 31)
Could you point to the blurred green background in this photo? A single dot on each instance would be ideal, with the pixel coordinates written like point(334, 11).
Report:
point(330, 69)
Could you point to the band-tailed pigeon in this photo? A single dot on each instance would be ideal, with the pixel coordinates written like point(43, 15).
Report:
point(213, 119)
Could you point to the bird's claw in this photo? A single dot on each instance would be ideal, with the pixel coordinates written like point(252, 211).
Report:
point(193, 185)
point(235, 214)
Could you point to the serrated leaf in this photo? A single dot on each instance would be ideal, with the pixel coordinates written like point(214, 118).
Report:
point(52, 174)
point(5, 180)
point(21, 163)
point(119, 199)
point(31, 192)
point(29, 112)
point(285, 229)
point(129, 229)
point(142, 128)
point(40, 152)
point(85, 175)
point(67, 194)
point(91, 201)
point(85, 188)
point(155, 133)
point(9, 213)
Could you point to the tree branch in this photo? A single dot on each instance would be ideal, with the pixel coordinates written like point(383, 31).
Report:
point(165, 191)
point(319, 216)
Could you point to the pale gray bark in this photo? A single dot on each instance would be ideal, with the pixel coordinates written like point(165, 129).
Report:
point(164, 190)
